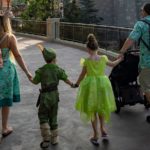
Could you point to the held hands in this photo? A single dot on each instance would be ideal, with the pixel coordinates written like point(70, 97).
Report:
point(74, 85)
point(121, 54)
point(29, 75)
point(121, 58)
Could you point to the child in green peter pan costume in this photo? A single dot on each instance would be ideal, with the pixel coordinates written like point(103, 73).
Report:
point(49, 76)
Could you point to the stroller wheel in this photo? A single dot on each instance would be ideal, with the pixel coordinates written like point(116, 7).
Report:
point(147, 106)
point(148, 119)
point(118, 105)
point(118, 110)
point(146, 103)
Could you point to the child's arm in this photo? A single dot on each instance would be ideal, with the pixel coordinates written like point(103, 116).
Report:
point(63, 76)
point(114, 63)
point(18, 57)
point(37, 78)
point(81, 76)
point(68, 82)
point(31, 79)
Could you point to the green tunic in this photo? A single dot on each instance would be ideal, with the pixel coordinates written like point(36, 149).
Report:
point(47, 75)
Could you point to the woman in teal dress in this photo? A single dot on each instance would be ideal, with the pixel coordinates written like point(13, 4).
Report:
point(9, 83)
point(95, 98)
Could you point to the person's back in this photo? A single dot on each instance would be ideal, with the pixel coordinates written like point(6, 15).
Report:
point(49, 74)
point(5, 49)
point(141, 33)
point(96, 67)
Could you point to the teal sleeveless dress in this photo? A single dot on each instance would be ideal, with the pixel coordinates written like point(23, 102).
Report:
point(9, 83)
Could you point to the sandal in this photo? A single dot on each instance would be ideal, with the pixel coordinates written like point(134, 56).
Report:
point(104, 135)
point(94, 141)
point(7, 132)
point(44, 144)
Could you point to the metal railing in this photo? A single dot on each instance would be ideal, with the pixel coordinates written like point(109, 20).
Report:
point(109, 37)
point(29, 26)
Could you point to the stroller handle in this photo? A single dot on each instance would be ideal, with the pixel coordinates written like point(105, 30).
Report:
point(133, 51)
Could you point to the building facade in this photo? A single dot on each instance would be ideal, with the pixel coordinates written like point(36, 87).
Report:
point(4, 4)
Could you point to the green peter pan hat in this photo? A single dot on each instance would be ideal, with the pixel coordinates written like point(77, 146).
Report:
point(48, 54)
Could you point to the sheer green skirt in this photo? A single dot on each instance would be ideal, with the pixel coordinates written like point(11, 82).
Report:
point(95, 95)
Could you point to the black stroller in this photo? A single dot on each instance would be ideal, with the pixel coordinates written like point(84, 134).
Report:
point(124, 82)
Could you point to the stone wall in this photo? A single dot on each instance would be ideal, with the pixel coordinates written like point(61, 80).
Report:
point(105, 11)
point(119, 12)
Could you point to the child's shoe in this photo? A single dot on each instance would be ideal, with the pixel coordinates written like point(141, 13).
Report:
point(103, 132)
point(104, 135)
point(44, 144)
point(54, 137)
point(45, 132)
point(94, 141)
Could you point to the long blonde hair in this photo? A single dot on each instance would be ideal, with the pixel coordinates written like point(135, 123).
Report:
point(6, 26)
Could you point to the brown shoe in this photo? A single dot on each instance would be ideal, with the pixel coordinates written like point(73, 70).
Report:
point(44, 144)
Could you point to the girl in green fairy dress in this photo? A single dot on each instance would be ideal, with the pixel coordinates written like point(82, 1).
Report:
point(95, 98)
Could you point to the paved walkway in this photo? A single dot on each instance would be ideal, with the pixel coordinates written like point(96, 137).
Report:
point(127, 131)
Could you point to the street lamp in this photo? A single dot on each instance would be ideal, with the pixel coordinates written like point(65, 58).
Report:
point(61, 9)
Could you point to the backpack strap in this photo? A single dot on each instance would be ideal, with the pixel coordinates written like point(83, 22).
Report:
point(146, 21)
point(146, 45)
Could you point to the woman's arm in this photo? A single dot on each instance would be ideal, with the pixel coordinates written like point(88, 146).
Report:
point(81, 76)
point(17, 55)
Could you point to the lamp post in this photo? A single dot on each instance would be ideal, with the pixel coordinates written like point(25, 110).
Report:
point(61, 9)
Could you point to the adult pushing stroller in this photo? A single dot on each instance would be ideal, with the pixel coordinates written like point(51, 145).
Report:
point(124, 82)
